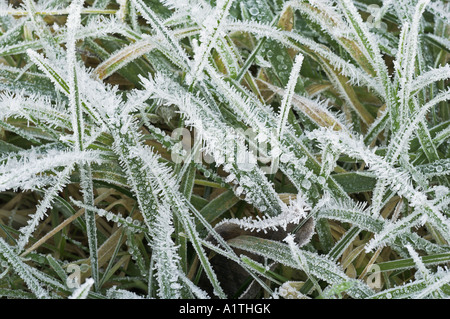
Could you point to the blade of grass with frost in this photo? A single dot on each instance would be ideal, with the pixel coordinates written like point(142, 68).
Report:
point(16, 294)
point(366, 41)
point(299, 164)
point(319, 266)
point(374, 56)
point(164, 184)
point(402, 138)
point(406, 291)
point(40, 112)
point(175, 52)
point(434, 289)
point(134, 226)
point(267, 223)
point(313, 109)
point(307, 46)
point(409, 59)
point(300, 259)
point(288, 95)
point(169, 144)
point(11, 36)
point(86, 183)
point(428, 287)
point(440, 10)
point(346, 91)
point(424, 272)
point(135, 250)
point(164, 252)
point(20, 172)
point(324, 13)
point(23, 270)
point(212, 27)
point(247, 263)
point(347, 211)
point(100, 27)
point(428, 78)
point(74, 96)
point(30, 136)
point(55, 76)
point(232, 60)
point(441, 42)
point(51, 47)
point(376, 127)
point(397, 179)
point(219, 144)
point(119, 59)
point(410, 102)
point(197, 292)
point(438, 257)
point(127, 140)
point(48, 70)
point(287, 101)
point(49, 195)
point(56, 266)
point(229, 55)
point(393, 116)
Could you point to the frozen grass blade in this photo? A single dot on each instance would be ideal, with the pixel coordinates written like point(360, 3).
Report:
point(323, 113)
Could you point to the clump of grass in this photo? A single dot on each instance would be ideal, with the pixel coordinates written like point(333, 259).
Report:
point(230, 149)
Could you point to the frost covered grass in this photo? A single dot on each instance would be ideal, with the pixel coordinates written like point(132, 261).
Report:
point(224, 149)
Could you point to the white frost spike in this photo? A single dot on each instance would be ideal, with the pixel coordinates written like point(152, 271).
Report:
point(23, 270)
point(39, 60)
point(424, 272)
point(197, 10)
point(199, 293)
point(30, 169)
point(165, 254)
point(291, 215)
point(83, 291)
point(290, 90)
point(298, 206)
point(429, 77)
point(73, 23)
point(168, 41)
point(410, 53)
point(212, 29)
point(50, 194)
point(299, 258)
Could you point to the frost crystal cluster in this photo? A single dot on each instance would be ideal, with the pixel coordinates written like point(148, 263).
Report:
point(158, 148)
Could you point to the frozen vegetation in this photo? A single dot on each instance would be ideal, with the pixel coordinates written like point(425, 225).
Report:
point(224, 149)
